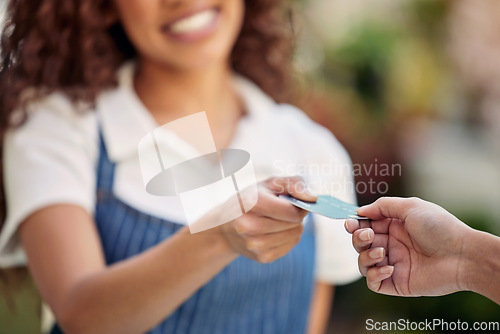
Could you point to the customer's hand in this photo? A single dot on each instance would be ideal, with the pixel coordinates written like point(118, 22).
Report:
point(410, 248)
point(274, 226)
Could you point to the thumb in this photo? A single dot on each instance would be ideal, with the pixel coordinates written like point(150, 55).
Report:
point(388, 207)
point(294, 186)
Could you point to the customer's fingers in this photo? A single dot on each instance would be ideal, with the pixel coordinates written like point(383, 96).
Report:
point(376, 275)
point(390, 207)
point(378, 226)
point(369, 258)
point(362, 239)
point(380, 240)
point(351, 225)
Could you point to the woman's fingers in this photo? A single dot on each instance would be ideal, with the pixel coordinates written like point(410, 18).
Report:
point(262, 247)
point(369, 258)
point(250, 225)
point(273, 226)
point(271, 206)
point(376, 275)
point(276, 253)
point(262, 243)
point(248, 237)
point(294, 186)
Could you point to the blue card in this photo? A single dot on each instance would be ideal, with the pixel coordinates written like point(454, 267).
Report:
point(327, 206)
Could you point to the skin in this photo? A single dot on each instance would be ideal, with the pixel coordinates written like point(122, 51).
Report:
point(416, 248)
point(61, 241)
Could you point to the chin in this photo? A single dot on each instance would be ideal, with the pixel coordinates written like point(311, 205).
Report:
point(197, 58)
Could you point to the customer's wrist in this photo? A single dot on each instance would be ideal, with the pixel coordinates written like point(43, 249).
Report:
point(480, 262)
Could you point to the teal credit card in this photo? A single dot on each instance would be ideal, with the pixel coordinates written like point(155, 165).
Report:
point(327, 206)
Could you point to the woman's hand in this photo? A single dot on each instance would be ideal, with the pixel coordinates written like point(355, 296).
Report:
point(410, 248)
point(274, 226)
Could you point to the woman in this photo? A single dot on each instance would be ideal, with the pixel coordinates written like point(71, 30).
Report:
point(108, 257)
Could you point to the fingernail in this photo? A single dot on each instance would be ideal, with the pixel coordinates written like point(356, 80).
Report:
point(361, 208)
point(387, 270)
point(365, 235)
point(309, 192)
point(376, 253)
point(347, 222)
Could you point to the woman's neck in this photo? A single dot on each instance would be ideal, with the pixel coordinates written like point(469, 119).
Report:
point(169, 95)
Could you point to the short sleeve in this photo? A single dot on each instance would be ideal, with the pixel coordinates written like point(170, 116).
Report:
point(329, 172)
point(50, 159)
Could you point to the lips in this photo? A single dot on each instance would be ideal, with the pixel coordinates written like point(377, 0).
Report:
point(194, 26)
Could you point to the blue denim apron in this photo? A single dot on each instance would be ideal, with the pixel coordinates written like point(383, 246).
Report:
point(245, 297)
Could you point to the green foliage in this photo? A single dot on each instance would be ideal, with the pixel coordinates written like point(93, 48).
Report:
point(362, 62)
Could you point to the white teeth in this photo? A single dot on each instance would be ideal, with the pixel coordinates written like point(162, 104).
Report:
point(194, 22)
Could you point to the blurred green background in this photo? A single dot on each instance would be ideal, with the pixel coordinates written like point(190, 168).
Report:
point(412, 83)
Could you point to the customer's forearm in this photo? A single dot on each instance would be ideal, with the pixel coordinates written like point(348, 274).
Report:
point(133, 296)
point(483, 266)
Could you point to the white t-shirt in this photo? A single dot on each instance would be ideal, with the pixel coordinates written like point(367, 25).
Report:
point(52, 159)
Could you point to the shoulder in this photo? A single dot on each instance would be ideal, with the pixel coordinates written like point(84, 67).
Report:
point(55, 117)
point(54, 133)
point(317, 141)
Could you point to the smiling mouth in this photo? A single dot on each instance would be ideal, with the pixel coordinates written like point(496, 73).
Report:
point(193, 24)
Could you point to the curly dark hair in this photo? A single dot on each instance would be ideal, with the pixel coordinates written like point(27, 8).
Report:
point(72, 46)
